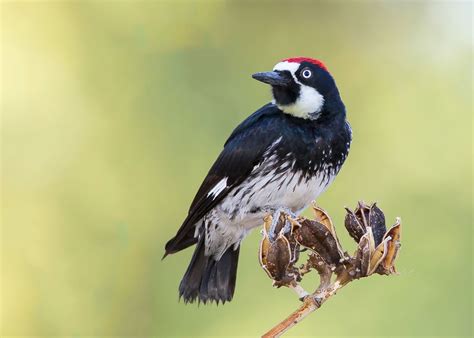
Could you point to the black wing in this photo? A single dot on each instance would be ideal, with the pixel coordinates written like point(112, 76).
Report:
point(242, 151)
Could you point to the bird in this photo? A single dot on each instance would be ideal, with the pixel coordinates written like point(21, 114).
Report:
point(279, 159)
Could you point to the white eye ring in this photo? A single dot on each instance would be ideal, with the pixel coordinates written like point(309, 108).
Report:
point(306, 73)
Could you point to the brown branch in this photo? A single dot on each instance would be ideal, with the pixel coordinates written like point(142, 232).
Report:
point(310, 304)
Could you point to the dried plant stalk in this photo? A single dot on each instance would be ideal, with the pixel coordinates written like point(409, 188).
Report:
point(376, 252)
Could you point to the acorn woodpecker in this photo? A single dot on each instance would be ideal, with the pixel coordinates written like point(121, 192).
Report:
point(280, 158)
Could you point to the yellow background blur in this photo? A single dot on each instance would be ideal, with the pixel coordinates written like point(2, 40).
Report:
point(112, 113)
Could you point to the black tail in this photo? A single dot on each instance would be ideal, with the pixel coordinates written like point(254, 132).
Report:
point(207, 279)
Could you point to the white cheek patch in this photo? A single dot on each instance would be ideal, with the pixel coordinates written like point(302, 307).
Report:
point(309, 102)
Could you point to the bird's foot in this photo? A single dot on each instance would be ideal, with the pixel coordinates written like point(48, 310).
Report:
point(275, 227)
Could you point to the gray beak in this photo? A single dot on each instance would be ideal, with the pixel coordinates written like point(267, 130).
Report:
point(273, 78)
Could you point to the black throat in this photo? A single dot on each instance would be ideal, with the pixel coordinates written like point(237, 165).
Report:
point(286, 95)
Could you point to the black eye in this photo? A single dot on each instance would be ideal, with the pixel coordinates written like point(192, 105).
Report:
point(306, 73)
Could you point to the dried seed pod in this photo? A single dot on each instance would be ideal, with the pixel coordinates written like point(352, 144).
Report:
point(321, 216)
point(394, 233)
point(317, 237)
point(364, 252)
point(309, 235)
point(377, 256)
point(294, 247)
point(376, 252)
point(278, 258)
point(355, 229)
point(362, 213)
point(370, 258)
point(278, 253)
point(377, 223)
point(365, 216)
point(264, 247)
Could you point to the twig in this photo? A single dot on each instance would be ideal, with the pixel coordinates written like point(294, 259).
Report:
point(310, 304)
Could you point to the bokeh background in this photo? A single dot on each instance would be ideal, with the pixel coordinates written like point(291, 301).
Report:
point(113, 111)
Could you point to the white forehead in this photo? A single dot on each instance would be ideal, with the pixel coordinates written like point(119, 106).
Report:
point(292, 67)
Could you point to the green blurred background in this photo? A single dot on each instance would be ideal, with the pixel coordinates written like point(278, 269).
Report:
point(112, 113)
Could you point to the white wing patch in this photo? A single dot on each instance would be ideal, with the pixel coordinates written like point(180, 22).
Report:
point(218, 188)
point(271, 148)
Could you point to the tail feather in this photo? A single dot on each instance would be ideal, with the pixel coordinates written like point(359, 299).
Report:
point(176, 244)
point(207, 279)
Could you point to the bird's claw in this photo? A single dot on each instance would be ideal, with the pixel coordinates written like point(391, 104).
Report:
point(276, 219)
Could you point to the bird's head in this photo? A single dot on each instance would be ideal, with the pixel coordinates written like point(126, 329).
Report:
point(302, 87)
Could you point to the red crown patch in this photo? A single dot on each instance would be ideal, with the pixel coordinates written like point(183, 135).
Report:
point(315, 62)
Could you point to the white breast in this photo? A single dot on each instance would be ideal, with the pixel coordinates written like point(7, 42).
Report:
point(265, 190)
point(272, 191)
